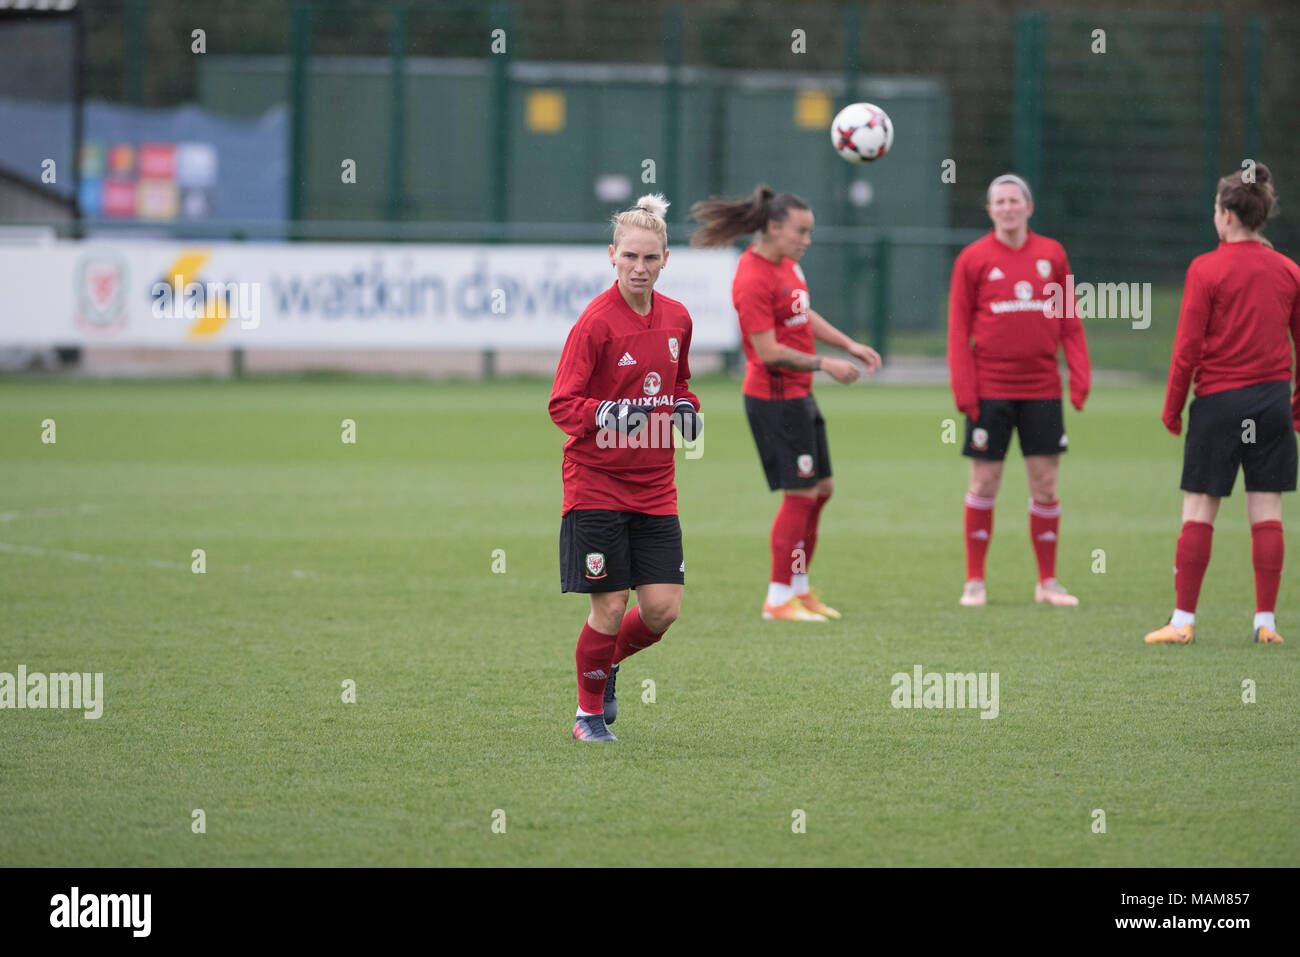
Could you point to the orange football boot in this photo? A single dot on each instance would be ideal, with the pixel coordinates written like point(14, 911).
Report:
point(1169, 635)
point(792, 610)
point(812, 603)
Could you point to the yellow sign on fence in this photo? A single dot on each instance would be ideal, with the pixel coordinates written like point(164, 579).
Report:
point(544, 111)
point(812, 109)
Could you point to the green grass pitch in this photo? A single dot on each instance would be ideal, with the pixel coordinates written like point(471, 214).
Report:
point(373, 563)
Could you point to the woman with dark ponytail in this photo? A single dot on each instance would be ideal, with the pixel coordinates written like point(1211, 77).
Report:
point(1238, 303)
point(778, 331)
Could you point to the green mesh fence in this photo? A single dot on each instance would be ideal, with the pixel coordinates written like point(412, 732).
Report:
point(449, 137)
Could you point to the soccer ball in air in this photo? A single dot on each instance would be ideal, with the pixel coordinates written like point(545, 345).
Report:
point(862, 132)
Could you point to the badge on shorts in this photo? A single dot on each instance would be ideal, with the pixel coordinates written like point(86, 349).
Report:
point(595, 564)
point(651, 384)
point(673, 347)
point(1064, 441)
point(979, 440)
point(805, 465)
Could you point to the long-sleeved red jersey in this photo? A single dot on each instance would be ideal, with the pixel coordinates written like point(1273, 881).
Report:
point(772, 297)
point(1238, 302)
point(1002, 336)
point(614, 354)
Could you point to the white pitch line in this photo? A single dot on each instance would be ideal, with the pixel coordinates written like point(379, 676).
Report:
point(43, 512)
point(152, 562)
point(81, 556)
point(87, 508)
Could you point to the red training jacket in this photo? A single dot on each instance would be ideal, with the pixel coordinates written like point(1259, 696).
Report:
point(1002, 336)
point(614, 354)
point(1238, 302)
point(772, 296)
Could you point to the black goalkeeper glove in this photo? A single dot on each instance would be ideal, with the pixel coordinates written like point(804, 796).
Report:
point(621, 417)
point(687, 420)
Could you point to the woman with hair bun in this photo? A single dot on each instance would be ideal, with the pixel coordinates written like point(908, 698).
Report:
point(620, 387)
point(778, 332)
point(1239, 302)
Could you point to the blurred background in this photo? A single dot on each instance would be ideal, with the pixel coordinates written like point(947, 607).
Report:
point(490, 142)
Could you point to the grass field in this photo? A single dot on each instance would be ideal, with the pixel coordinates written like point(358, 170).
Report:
point(373, 562)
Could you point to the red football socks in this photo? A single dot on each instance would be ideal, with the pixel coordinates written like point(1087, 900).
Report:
point(1266, 548)
point(1044, 519)
point(633, 636)
point(789, 529)
point(810, 534)
point(1190, 561)
point(594, 656)
point(979, 532)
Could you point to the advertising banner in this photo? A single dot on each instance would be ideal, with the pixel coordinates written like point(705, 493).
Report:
point(325, 295)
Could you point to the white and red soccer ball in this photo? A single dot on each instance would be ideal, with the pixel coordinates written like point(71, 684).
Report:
point(862, 132)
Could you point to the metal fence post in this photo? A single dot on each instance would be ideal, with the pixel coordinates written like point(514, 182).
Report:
point(672, 107)
point(880, 314)
point(718, 140)
point(136, 19)
point(850, 28)
point(300, 45)
point(851, 265)
point(1029, 96)
point(78, 122)
point(498, 184)
point(1213, 57)
point(396, 114)
point(1254, 84)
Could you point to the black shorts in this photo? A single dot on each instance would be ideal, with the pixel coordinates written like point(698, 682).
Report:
point(1039, 422)
point(603, 550)
point(1249, 427)
point(791, 439)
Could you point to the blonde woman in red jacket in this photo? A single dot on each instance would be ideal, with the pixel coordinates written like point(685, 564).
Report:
point(621, 386)
point(1003, 340)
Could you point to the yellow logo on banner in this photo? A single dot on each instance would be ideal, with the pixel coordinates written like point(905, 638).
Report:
point(215, 309)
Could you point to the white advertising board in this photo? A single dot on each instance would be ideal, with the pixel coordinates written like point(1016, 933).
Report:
point(325, 295)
